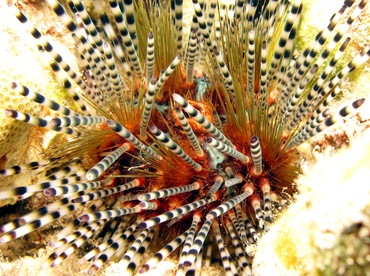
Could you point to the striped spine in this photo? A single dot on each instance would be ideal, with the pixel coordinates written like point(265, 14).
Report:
point(109, 214)
point(130, 21)
point(74, 121)
point(149, 101)
point(201, 119)
point(197, 243)
point(88, 24)
point(36, 121)
point(235, 180)
point(256, 153)
point(71, 188)
point(45, 219)
point(189, 133)
point(214, 188)
point(229, 267)
point(164, 252)
point(308, 132)
point(38, 98)
point(107, 192)
point(190, 55)
point(227, 205)
point(173, 147)
point(227, 149)
point(178, 24)
point(126, 38)
point(123, 132)
point(189, 239)
point(150, 58)
point(185, 209)
point(170, 191)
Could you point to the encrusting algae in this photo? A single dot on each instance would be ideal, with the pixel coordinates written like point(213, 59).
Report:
point(326, 231)
point(176, 136)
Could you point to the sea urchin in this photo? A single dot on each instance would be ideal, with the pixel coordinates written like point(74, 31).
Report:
point(188, 142)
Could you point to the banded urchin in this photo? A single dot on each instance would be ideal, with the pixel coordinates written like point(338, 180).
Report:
point(225, 114)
